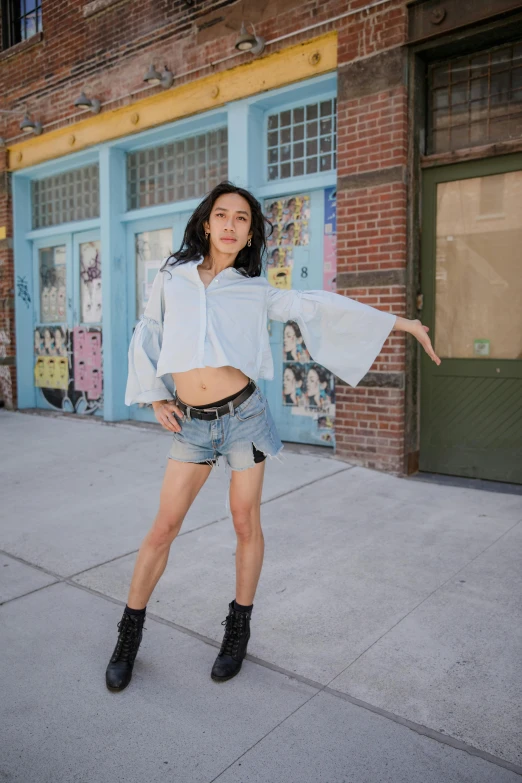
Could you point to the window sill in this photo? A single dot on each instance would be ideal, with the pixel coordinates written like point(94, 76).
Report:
point(471, 153)
point(22, 46)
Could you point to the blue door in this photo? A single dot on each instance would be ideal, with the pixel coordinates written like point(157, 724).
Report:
point(68, 346)
point(149, 242)
point(302, 393)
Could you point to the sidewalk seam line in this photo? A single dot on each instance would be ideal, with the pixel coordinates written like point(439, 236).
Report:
point(181, 533)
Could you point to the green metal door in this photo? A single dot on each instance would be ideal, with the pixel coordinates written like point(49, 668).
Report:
point(471, 405)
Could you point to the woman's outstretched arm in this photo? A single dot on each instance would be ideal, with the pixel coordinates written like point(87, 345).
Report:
point(342, 334)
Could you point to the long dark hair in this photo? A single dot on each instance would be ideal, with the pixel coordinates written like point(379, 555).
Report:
point(249, 260)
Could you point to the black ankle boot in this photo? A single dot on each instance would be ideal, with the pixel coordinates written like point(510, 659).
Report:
point(119, 670)
point(234, 645)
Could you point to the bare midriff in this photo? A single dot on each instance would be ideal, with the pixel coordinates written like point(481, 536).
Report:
point(205, 385)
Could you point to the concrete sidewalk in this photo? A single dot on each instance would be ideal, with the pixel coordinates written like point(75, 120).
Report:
point(386, 633)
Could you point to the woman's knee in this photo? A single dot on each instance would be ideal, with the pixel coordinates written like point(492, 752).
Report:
point(165, 528)
point(246, 521)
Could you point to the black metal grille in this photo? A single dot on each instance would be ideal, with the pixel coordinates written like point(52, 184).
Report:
point(476, 99)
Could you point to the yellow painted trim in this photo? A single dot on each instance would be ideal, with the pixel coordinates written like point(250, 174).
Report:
point(3, 232)
point(266, 73)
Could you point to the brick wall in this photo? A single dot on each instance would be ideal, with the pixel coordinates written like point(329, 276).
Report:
point(371, 199)
point(105, 47)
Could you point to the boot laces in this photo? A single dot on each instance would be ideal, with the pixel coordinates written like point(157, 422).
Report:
point(128, 639)
point(235, 626)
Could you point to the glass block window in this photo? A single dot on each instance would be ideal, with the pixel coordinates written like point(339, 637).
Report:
point(476, 99)
point(302, 140)
point(184, 169)
point(74, 195)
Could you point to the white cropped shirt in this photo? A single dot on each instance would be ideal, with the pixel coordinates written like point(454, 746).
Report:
point(185, 326)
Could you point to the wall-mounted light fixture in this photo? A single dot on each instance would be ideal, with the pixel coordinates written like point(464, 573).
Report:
point(91, 104)
point(31, 126)
point(248, 42)
point(154, 77)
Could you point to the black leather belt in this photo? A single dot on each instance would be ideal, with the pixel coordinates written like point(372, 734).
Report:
point(221, 410)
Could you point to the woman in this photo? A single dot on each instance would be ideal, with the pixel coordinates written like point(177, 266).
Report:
point(293, 385)
point(289, 234)
point(59, 341)
point(317, 388)
point(194, 356)
point(48, 342)
point(293, 348)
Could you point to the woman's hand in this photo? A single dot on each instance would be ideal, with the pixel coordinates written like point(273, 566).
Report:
point(164, 411)
point(420, 332)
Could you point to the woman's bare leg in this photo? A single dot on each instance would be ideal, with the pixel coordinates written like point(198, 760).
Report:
point(245, 506)
point(181, 484)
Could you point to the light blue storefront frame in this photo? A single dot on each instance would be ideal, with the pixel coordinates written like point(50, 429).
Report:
point(246, 121)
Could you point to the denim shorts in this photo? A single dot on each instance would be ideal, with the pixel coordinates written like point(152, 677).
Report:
point(231, 436)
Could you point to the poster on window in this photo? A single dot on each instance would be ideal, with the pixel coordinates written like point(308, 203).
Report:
point(290, 218)
point(308, 387)
point(52, 269)
point(280, 277)
point(330, 239)
point(90, 282)
point(52, 349)
point(68, 368)
point(88, 362)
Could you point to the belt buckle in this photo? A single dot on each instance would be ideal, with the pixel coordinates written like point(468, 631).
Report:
point(213, 411)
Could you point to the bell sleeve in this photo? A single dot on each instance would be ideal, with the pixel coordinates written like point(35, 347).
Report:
point(340, 333)
point(143, 386)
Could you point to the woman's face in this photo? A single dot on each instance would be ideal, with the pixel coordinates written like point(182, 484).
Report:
point(58, 341)
point(289, 338)
point(275, 257)
point(229, 224)
point(47, 338)
point(288, 381)
point(291, 231)
point(312, 382)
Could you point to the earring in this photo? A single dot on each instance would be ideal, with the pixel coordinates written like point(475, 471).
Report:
point(249, 243)
point(207, 234)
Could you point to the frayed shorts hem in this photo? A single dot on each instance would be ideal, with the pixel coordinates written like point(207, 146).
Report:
point(214, 461)
point(266, 453)
point(211, 462)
